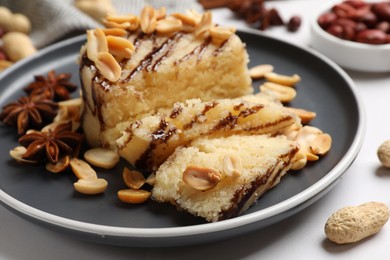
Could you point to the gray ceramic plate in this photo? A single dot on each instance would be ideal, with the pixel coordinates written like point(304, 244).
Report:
point(51, 201)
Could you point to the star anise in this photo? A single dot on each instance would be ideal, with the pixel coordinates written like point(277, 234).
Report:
point(28, 112)
point(51, 145)
point(54, 87)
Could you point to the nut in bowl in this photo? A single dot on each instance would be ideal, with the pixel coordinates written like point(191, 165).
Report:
point(349, 40)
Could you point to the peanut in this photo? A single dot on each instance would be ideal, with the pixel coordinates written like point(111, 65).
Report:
point(133, 196)
point(91, 186)
point(60, 166)
point(201, 178)
point(305, 115)
point(4, 64)
point(259, 71)
point(95, 9)
point(352, 224)
point(17, 154)
point(384, 153)
point(11, 22)
point(282, 79)
point(108, 66)
point(133, 179)
point(103, 158)
point(232, 165)
point(82, 169)
point(284, 94)
point(168, 25)
point(17, 46)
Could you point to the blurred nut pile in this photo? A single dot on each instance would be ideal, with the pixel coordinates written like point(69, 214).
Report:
point(255, 13)
point(97, 9)
point(356, 20)
point(15, 43)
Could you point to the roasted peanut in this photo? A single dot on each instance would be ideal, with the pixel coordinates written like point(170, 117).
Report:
point(305, 115)
point(148, 20)
point(11, 22)
point(168, 25)
point(82, 169)
point(17, 154)
point(284, 94)
point(103, 158)
point(232, 165)
point(4, 64)
point(133, 178)
point(259, 71)
point(108, 66)
point(17, 46)
point(352, 224)
point(60, 166)
point(91, 186)
point(97, 9)
point(282, 79)
point(201, 178)
point(133, 196)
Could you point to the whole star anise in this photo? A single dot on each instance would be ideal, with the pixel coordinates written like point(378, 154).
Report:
point(51, 145)
point(54, 87)
point(28, 112)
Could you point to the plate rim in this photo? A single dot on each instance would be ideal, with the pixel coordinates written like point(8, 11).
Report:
point(206, 228)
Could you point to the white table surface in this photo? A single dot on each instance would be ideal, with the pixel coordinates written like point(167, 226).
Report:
point(298, 237)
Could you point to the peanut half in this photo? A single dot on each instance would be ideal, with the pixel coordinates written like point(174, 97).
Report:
point(352, 224)
point(17, 46)
point(96, 43)
point(133, 196)
point(204, 25)
point(259, 71)
point(133, 178)
point(60, 166)
point(305, 115)
point(283, 79)
point(148, 20)
point(283, 93)
point(82, 169)
point(168, 25)
point(17, 154)
point(103, 158)
point(120, 47)
point(232, 165)
point(108, 66)
point(220, 34)
point(91, 186)
point(201, 178)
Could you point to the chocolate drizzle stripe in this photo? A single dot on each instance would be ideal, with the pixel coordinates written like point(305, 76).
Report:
point(220, 48)
point(242, 196)
point(162, 50)
point(269, 124)
point(198, 50)
point(195, 119)
point(161, 135)
point(96, 109)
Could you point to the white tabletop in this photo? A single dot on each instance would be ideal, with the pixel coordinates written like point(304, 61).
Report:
point(298, 237)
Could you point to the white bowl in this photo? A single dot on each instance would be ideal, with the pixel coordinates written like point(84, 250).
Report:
point(349, 54)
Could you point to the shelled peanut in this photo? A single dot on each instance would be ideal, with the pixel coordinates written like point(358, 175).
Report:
point(313, 142)
point(97, 9)
point(14, 33)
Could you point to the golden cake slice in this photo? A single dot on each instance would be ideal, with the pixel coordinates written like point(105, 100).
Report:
point(139, 65)
point(219, 178)
point(148, 142)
